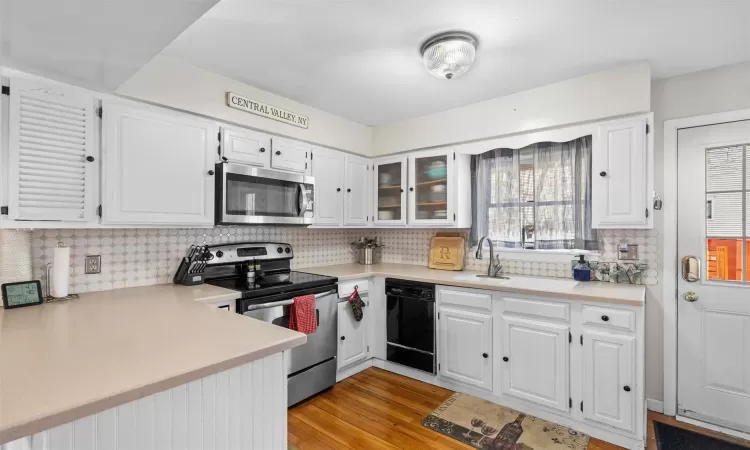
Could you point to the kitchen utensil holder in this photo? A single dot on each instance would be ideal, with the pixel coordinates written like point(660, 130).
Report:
point(183, 275)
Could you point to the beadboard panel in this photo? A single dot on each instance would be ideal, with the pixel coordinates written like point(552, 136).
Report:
point(241, 408)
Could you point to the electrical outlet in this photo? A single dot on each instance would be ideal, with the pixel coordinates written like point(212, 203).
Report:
point(93, 264)
point(627, 252)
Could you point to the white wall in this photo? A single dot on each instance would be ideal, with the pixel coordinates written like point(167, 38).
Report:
point(710, 91)
point(621, 91)
point(167, 81)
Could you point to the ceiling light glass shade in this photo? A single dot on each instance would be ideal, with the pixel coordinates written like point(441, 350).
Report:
point(449, 55)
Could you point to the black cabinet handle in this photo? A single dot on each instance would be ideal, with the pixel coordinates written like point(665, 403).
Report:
point(411, 189)
point(485, 355)
point(348, 190)
point(210, 172)
point(338, 189)
point(262, 150)
point(626, 389)
point(278, 152)
point(505, 358)
point(605, 318)
point(90, 159)
point(343, 338)
point(602, 174)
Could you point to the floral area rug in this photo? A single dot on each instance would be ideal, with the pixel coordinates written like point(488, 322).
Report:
point(489, 426)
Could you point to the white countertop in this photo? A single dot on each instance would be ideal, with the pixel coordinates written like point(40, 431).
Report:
point(627, 294)
point(65, 360)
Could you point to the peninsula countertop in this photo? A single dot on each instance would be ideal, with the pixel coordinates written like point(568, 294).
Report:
point(65, 360)
point(626, 294)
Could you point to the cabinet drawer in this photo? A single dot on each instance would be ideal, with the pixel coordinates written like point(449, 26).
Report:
point(467, 298)
point(609, 317)
point(347, 287)
point(528, 306)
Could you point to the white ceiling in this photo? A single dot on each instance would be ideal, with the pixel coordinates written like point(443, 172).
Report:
point(97, 44)
point(359, 58)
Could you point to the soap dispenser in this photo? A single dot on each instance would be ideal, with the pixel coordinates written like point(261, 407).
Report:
point(581, 271)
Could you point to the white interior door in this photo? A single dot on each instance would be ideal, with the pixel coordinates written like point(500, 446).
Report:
point(714, 329)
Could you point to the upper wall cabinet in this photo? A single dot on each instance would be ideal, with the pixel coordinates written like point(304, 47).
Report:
point(52, 158)
point(158, 167)
point(328, 171)
point(357, 195)
point(290, 155)
point(622, 175)
point(246, 146)
point(390, 190)
point(439, 189)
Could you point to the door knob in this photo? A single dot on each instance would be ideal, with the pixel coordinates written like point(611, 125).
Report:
point(690, 296)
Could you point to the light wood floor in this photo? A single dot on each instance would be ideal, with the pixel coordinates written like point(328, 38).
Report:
point(376, 409)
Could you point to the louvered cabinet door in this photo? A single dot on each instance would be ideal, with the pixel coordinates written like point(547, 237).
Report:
point(53, 156)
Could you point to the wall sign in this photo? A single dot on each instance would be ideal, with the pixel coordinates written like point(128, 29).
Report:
point(245, 104)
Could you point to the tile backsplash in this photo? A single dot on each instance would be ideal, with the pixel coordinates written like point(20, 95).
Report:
point(139, 257)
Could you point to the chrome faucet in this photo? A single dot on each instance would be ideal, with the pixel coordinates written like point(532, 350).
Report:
point(491, 272)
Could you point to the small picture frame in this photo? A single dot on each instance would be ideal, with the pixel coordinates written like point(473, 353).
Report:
point(22, 293)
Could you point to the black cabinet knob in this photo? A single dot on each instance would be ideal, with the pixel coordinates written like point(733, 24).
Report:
point(602, 174)
point(219, 253)
point(210, 172)
point(262, 150)
point(402, 190)
point(348, 190)
point(485, 355)
point(343, 338)
point(505, 358)
point(626, 389)
point(411, 189)
point(338, 189)
point(605, 318)
point(278, 152)
point(90, 159)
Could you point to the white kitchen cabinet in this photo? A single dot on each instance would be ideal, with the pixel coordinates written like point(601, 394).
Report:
point(535, 363)
point(290, 155)
point(52, 154)
point(622, 175)
point(352, 337)
point(246, 146)
point(465, 347)
point(158, 167)
point(328, 171)
point(390, 176)
point(357, 195)
point(431, 188)
point(609, 390)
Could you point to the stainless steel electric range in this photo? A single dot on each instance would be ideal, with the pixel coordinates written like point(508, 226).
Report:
point(261, 274)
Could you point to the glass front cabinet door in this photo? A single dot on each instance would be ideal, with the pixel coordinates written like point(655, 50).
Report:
point(390, 191)
point(431, 188)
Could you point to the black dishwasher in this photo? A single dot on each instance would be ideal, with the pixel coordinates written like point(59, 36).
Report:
point(410, 324)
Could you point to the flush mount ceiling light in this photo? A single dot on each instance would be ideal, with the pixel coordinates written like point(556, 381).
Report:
point(448, 55)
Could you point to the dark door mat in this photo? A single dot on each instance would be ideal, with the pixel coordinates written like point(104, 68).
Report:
point(669, 437)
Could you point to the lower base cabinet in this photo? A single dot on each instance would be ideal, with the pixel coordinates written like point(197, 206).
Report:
point(535, 361)
point(608, 379)
point(352, 337)
point(465, 347)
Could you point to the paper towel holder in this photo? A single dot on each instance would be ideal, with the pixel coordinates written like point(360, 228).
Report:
point(48, 287)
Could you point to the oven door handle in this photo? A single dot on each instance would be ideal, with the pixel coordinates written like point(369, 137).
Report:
point(283, 302)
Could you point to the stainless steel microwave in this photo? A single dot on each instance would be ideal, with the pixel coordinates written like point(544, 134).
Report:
point(247, 195)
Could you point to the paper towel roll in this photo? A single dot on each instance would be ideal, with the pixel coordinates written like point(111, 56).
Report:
point(60, 272)
point(15, 256)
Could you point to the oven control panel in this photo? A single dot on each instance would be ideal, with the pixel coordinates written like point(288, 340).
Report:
point(249, 251)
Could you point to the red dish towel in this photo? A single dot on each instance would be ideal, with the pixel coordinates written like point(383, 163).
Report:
point(302, 315)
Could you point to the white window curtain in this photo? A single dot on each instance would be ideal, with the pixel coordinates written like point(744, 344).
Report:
point(537, 197)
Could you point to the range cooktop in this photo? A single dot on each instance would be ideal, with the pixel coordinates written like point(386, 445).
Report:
point(297, 281)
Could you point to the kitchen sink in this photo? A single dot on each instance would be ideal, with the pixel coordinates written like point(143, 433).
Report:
point(482, 278)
